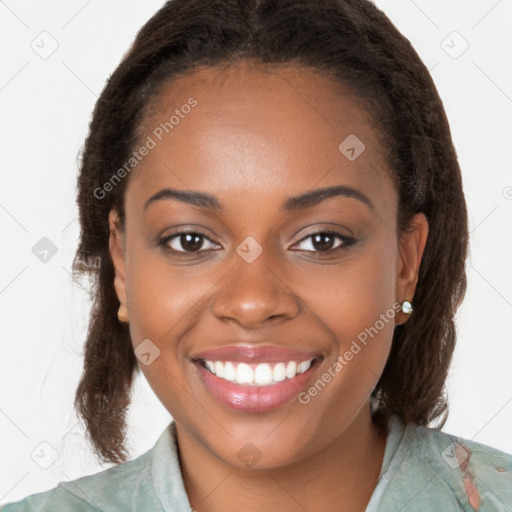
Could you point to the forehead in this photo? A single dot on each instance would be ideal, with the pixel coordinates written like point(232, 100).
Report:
point(256, 130)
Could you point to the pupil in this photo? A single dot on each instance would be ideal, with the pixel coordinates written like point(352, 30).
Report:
point(326, 244)
point(191, 242)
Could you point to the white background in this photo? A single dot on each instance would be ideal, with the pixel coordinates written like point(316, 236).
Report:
point(46, 106)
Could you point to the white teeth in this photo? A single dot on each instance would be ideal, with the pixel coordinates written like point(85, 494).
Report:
point(291, 369)
point(229, 371)
point(303, 366)
point(219, 369)
point(263, 374)
point(279, 372)
point(257, 375)
point(244, 374)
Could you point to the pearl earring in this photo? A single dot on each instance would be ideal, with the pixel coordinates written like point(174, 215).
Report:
point(122, 314)
point(407, 307)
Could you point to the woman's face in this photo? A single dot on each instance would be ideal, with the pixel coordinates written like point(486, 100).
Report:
point(260, 263)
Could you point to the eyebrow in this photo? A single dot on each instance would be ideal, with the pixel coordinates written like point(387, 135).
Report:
point(307, 200)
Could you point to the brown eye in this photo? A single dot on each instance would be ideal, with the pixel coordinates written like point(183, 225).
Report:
point(187, 242)
point(325, 241)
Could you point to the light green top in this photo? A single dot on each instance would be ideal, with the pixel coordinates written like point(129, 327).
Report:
point(423, 470)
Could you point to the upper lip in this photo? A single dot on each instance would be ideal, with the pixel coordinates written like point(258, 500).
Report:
point(251, 353)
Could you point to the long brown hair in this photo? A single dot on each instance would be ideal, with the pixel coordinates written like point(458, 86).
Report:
point(352, 41)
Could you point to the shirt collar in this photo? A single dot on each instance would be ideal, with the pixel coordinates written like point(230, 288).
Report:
point(166, 472)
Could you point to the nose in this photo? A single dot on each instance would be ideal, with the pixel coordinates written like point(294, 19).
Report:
point(253, 294)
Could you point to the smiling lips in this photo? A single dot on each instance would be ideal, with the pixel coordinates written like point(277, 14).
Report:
point(255, 378)
point(257, 375)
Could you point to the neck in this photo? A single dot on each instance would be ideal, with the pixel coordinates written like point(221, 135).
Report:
point(341, 476)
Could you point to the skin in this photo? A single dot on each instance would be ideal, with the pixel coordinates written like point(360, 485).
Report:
point(256, 138)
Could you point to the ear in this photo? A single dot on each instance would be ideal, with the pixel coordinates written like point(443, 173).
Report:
point(411, 247)
point(116, 248)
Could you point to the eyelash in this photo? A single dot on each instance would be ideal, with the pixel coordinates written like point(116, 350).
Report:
point(347, 241)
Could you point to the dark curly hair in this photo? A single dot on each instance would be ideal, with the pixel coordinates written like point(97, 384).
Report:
point(351, 41)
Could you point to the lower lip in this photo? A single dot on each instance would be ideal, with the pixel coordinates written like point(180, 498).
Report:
point(255, 398)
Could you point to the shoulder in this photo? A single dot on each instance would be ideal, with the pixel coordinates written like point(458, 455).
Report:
point(443, 470)
point(127, 486)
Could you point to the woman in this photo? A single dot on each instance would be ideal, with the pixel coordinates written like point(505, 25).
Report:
point(266, 196)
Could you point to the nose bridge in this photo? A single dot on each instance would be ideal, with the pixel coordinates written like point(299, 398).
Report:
point(253, 291)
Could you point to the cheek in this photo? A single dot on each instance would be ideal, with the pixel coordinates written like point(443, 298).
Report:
point(351, 296)
point(161, 297)
point(163, 300)
point(355, 302)
point(164, 303)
